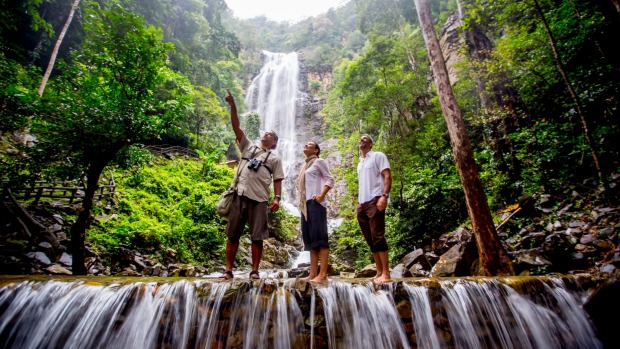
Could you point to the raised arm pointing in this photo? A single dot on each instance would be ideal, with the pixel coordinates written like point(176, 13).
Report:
point(234, 117)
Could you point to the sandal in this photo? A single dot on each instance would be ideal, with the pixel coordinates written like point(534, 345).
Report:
point(254, 275)
point(228, 274)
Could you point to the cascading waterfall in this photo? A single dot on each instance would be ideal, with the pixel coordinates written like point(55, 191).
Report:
point(421, 313)
point(358, 317)
point(274, 95)
point(494, 315)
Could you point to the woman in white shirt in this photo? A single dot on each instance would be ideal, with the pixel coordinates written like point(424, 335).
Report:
point(314, 181)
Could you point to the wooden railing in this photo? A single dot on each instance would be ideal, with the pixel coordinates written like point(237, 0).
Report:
point(64, 190)
point(171, 150)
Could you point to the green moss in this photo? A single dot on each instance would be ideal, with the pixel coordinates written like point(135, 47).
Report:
point(172, 206)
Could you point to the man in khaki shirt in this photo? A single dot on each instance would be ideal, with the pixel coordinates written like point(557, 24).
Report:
point(259, 166)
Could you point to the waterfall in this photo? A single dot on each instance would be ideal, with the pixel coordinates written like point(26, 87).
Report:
point(358, 317)
point(421, 313)
point(274, 95)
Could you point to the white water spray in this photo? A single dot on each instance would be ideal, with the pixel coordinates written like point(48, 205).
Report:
point(274, 95)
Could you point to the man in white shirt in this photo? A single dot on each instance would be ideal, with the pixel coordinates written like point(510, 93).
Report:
point(375, 182)
point(314, 181)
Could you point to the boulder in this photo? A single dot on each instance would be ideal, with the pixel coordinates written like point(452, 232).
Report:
point(458, 261)
point(416, 256)
point(400, 271)
point(56, 269)
point(368, 271)
point(527, 259)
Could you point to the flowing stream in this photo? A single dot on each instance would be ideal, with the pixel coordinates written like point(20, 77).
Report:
point(414, 313)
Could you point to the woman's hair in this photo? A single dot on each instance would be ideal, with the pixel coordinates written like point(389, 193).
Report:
point(317, 148)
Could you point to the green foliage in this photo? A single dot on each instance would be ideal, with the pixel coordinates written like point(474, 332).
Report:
point(582, 35)
point(173, 205)
point(350, 244)
point(196, 29)
point(283, 226)
point(18, 98)
point(118, 92)
point(123, 85)
point(204, 123)
point(251, 124)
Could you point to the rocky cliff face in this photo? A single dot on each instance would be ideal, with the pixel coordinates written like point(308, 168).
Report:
point(451, 41)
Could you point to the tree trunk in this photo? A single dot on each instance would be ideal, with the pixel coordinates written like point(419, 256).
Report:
point(577, 102)
point(78, 230)
point(50, 65)
point(493, 258)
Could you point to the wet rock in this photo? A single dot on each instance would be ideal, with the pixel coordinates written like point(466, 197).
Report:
point(416, 256)
point(546, 201)
point(58, 219)
point(174, 270)
point(432, 258)
point(586, 239)
point(42, 258)
point(189, 271)
point(158, 268)
point(66, 259)
point(558, 250)
point(451, 263)
point(400, 271)
point(138, 262)
point(127, 272)
point(607, 268)
point(603, 306)
point(526, 259)
point(299, 272)
point(46, 248)
point(603, 245)
point(56, 269)
point(368, 271)
point(126, 255)
point(54, 228)
point(576, 224)
point(606, 232)
point(61, 236)
point(532, 240)
point(418, 270)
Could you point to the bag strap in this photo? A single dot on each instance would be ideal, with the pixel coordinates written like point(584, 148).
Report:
point(264, 162)
point(233, 185)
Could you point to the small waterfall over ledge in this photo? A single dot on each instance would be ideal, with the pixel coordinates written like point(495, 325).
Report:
point(517, 312)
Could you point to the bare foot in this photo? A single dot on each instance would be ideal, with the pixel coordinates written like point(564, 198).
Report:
point(375, 277)
point(383, 279)
point(309, 277)
point(320, 279)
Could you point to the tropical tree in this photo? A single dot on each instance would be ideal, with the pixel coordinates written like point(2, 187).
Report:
point(61, 36)
point(117, 92)
point(493, 258)
point(559, 57)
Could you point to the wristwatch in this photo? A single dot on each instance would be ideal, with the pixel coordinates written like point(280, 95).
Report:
point(385, 195)
point(278, 196)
